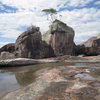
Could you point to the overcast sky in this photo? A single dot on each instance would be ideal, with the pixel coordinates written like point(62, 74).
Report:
point(16, 15)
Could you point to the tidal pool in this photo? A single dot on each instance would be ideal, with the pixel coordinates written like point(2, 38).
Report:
point(12, 78)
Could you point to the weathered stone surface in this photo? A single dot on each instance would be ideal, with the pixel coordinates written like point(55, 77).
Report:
point(24, 61)
point(8, 48)
point(62, 38)
point(58, 83)
point(30, 45)
point(46, 50)
point(6, 55)
point(80, 50)
point(7, 51)
point(46, 37)
point(85, 93)
point(90, 47)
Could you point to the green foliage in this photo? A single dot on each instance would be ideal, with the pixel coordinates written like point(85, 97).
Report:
point(58, 21)
point(52, 15)
point(51, 10)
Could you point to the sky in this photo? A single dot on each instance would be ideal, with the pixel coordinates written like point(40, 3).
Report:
point(17, 15)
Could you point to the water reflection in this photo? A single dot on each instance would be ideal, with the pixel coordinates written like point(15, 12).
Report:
point(12, 78)
point(25, 78)
point(8, 83)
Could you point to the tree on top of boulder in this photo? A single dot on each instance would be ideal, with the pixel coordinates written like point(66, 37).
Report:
point(50, 12)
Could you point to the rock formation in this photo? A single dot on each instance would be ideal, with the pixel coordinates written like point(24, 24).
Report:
point(8, 48)
point(61, 38)
point(89, 48)
point(7, 51)
point(30, 45)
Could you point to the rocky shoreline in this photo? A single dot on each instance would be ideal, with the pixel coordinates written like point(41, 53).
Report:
point(26, 61)
point(60, 83)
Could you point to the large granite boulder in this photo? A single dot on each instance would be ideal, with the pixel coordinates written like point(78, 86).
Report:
point(80, 50)
point(7, 51)
point(46, 50)
point(61, 39)
point(8, 48)
point(89, 48)
point(30, 45)
point(6, 55)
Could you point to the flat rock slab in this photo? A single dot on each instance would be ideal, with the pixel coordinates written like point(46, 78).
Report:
point(24, 61)
point(83, 61)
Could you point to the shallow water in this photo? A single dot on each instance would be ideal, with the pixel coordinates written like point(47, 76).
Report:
point(12, 78)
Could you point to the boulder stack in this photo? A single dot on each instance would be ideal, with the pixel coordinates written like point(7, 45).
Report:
point(31, 45)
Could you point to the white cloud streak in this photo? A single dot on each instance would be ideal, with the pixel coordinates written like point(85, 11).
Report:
point(97, 2)
point(79, 2)
point(3, 43)
point(28, 5)
point(85, 21)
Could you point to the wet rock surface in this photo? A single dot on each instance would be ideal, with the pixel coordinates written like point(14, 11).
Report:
point(60, 83)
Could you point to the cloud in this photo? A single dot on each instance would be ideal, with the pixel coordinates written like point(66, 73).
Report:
point(37, 5)
point(79, 2)
point(97, 2)
point(3, 43)
point(32, 5)
point(85, 21)
point(10, 22)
